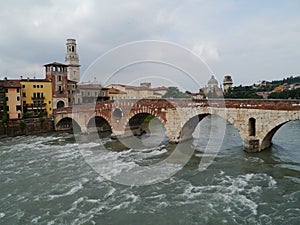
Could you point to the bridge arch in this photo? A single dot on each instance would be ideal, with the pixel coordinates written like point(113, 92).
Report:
point(98, 123)
point(217, 122)
point(68, 123)
point(267, 139)
point(139, 123)
point(190, 125)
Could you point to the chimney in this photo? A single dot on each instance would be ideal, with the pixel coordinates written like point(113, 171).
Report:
point(27, 78)
point(21, 77)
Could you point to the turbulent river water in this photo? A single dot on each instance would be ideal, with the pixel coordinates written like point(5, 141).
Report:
point(44, 179)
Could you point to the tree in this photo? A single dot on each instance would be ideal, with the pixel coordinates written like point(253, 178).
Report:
point(174, 92)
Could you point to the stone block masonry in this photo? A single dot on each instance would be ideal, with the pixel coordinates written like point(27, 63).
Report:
point(26, 127)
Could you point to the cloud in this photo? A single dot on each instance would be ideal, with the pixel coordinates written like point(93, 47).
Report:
point(207, 52)
point(251, 40)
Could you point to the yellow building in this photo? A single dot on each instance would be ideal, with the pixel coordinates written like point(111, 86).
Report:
point(13, 98)
point(37, 96)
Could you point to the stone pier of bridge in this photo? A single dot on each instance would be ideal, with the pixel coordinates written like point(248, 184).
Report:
point(256, 120)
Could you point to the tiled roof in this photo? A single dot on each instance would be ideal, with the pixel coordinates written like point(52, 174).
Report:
point(89, 86)
point(115, 91)
point(56, 64)
point(34, 80)
point(11, 83)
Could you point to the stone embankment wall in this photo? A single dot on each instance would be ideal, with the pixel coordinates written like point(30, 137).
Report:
point(26, 127)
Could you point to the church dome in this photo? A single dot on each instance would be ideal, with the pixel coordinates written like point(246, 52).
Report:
point(212, 81)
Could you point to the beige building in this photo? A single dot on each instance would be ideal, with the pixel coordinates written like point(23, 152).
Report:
point(13, 98)
point(90, 93)
point(138, 92)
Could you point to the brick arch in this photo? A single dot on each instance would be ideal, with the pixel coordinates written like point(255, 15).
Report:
point(105, 117)
point(94, 115)
point(67, 124)
point(145, 111)
point(152, 112)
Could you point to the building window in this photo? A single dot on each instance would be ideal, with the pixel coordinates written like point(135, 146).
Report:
point(18, 107)
point(49, 102)
point(23, 86)
point(34, 86)
point(6, 90)
point(59, 78)
point(7, 99)
point(42, 86)
point(7, 108)
point(18, 98)
point(18, 90)
point(24, 94)
point(38, 86)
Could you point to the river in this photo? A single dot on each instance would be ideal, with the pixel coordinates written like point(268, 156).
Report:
point(44, 179)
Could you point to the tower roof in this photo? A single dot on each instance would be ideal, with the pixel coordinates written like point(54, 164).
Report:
point(227, 79)
point(56, 64)
point(212, 81)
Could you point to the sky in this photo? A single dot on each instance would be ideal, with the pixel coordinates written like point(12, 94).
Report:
point(250, 40)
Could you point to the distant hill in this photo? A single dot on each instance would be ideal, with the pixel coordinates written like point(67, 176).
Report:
point(271, 85)
point(267, 86)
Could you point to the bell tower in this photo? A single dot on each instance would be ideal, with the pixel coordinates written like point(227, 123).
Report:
point(72, 61)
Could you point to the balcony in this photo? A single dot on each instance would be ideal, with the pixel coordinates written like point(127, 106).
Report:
point(35, 105)
point(38, 97)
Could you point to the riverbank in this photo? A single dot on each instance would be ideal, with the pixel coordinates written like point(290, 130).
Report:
point(26, 127)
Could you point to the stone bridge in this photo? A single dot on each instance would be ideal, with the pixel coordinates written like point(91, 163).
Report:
point(256, 120)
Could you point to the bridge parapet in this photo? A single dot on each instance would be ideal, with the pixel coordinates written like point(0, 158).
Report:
point(256, 120)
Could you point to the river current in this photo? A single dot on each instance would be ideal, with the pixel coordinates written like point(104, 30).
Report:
point(44, 179)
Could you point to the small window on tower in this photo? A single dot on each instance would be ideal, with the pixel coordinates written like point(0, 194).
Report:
point(73, 49)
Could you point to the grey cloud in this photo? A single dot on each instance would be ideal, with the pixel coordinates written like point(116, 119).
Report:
point(248, 39)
